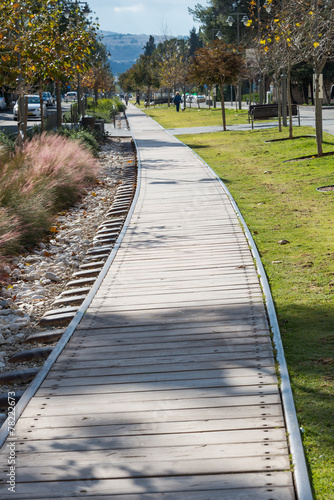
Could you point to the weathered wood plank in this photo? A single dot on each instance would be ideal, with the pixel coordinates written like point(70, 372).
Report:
point(149, 401)
point(233, 486)
point(98, 465)
point(263, 374)
point(143, 448)
point(92, 371)
point(50, 428)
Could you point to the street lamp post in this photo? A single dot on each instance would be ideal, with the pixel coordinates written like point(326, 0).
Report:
point(219, 35)
point(230, 22)
point(85, 12)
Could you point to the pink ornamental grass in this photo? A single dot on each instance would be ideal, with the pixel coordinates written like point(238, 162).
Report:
point(47, 174)
point(56, 156)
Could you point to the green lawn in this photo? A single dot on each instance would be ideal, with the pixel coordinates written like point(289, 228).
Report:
point(279, 201)
point(194, 117)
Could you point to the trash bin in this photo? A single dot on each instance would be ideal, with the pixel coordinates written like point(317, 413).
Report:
point(99, 125)
point(88, 122)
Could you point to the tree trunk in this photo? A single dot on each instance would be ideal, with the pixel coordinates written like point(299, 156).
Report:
point(318, 115)
point(41, 106)
point(289, 102)
point(58, 98)
point(279, 105)
point(223, 106)
point(25, 121)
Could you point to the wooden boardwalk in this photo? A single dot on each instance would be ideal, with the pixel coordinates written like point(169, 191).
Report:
point(167, 388)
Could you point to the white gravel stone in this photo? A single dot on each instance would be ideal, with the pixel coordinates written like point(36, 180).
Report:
point(52, 276)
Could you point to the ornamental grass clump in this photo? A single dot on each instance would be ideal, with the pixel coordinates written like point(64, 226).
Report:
point(46, 175)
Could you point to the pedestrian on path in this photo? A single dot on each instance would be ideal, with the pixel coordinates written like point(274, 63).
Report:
point(138, 99)
point(177, 100)
point(126, 98)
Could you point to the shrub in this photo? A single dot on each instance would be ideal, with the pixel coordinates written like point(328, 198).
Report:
point(44, 176)
point(7, 140)
point(105, 108)
point(84, 136)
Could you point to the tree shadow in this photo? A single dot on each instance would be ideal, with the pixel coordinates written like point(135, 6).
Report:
point(150, 402)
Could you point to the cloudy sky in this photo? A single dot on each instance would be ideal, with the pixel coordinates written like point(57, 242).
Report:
point(150, 17)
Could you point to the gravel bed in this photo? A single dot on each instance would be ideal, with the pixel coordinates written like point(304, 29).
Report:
point(35, 279)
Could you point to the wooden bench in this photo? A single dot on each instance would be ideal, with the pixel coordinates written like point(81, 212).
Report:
point(267, 111)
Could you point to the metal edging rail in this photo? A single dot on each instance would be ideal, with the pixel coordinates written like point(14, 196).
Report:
point(300, 472)
point(46, 367)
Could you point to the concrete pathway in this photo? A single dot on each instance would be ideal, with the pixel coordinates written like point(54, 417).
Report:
point(307, 118)
point(167, 388)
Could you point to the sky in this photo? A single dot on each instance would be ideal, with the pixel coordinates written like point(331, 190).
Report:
point(149, 17)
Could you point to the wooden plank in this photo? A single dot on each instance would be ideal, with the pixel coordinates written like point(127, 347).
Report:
point(188, 487)
point(98, 465)
point(156, 353)
point(150, 401)
point(111, 336)
point(107, 370)
point(225, 377)
point(228, 418)
point(45, 430)
point(146, 448)
point(230, 314)
point(174, 329)
point(253, 494)
point(165, 344)
point(197, 357)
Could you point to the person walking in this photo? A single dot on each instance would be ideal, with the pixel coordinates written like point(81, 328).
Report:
point(138, 99)
point(177, 101)
point(126, 97)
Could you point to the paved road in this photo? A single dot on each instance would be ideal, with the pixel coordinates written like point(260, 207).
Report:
point(8, 123)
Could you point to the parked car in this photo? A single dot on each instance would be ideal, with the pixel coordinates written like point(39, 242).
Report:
point(199, 98)
point(71, 97)
point(3, 104)
point(190, 98)
point(48, 99)
point(34, 108)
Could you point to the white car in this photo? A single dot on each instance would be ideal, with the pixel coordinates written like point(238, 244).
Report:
point(3, 104)
point(199, 98)
point(34, 108)
point(71, 97)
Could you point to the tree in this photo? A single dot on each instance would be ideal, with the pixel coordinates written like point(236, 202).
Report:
point(316, 23)
point(217, 64)
point(37, 44)
point(194, 42)
point(213, 18)
point(173, 60)
point(280, 41)
point(99, 77)
point(149, 47)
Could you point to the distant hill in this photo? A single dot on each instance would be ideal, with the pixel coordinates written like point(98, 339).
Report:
point(125, 49)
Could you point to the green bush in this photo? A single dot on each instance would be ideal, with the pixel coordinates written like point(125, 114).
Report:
point(105, 109)
point(85, 137)
point(7, 140)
